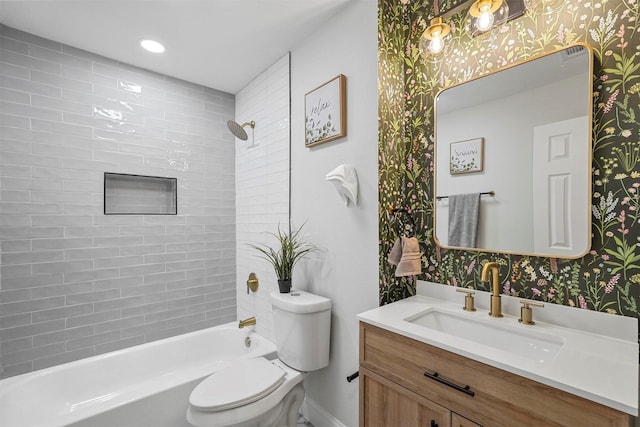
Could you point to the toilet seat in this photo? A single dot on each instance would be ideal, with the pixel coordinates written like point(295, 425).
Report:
point(242, 383)
point(248, 411)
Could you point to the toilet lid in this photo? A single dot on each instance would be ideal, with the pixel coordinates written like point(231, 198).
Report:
point(242, 383)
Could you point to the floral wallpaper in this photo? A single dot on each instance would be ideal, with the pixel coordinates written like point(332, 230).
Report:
point(606, 279)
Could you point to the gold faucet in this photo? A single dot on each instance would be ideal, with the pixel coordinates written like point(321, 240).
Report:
point(246, 322)
point(496, 302)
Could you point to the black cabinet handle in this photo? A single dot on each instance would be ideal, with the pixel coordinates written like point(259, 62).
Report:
point(466, 389)
point(433, 423)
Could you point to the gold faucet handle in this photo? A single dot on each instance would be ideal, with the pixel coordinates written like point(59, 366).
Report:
point(252, 283)
point(468, 299)
point(526, 314)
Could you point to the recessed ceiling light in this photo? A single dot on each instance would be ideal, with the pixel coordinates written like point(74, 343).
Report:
point(152, 46)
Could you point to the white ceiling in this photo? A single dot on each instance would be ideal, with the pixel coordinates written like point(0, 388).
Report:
point(221, 44)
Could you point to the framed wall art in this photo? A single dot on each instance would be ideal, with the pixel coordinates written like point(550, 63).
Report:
point(325, 112)
point(466, 156)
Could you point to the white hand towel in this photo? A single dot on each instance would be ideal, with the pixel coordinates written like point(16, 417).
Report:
point(345, 179)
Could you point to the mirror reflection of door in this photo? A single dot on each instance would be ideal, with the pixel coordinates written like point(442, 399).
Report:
point(559, 217)
point(504, 108)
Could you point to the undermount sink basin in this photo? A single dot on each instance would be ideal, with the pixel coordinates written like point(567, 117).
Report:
point(516, 340)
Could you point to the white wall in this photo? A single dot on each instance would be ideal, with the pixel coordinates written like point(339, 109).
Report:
point(347, 272)
point(262, 186)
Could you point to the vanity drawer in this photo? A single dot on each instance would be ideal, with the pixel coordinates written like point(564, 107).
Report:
point(494, 397)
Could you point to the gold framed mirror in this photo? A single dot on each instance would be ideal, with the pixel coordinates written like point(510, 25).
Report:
point(535, 121)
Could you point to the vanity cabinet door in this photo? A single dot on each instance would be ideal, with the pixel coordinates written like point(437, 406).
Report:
point(460, 421)
point(385, 404)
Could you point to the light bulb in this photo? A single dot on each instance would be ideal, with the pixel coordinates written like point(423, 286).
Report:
point(437, 44)
point(434, 39)
point(484, 22)
point(484, 15)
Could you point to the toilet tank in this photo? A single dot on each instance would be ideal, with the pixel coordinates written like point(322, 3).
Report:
point(302, 323)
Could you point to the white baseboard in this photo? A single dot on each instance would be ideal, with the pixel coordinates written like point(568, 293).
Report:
point(318, 416)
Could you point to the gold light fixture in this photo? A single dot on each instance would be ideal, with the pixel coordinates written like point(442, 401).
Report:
point(484, 15)
point(435, 37)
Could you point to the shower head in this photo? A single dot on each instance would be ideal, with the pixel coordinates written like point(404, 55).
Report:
point(238, 129)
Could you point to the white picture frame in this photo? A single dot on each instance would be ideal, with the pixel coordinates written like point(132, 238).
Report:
point(466, 156)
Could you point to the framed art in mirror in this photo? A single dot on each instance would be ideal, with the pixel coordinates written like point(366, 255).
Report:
point(466, 156)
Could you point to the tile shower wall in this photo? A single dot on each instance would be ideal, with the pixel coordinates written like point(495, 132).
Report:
point(262, 185)
point(74, 282)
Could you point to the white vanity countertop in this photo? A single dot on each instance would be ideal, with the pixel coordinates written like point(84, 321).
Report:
point(598, 359)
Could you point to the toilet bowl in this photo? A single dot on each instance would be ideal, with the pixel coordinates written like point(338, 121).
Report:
point(266, 393)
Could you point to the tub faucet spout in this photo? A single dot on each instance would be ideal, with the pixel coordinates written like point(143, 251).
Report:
point(246, 322)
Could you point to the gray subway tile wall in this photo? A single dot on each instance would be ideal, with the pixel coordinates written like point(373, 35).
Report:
point(73, 282)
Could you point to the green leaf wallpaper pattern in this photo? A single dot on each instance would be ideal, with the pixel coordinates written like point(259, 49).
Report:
point(608, 277)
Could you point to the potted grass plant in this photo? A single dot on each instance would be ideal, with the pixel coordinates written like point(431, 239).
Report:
point(290, 249)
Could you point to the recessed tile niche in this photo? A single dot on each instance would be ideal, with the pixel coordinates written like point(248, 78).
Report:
point(139, 195)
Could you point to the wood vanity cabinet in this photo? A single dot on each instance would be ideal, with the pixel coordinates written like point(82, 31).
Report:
point(459, 392)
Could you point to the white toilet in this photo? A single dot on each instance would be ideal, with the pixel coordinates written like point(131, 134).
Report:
point(267, 393)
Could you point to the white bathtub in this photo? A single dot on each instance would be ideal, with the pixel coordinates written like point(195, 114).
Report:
point(146, 385)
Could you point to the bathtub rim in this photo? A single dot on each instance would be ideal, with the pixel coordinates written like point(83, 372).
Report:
point(43, 371)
